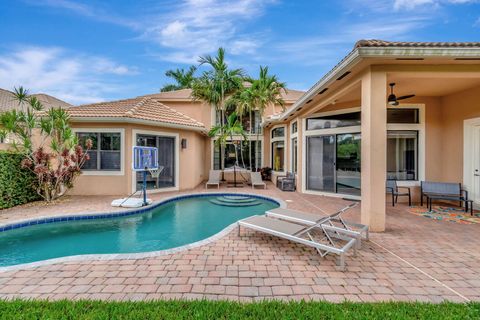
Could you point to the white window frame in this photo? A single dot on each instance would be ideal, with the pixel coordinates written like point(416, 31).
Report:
point(176, 186)
point(420, 127)
point(121, 172)
point(293, 136)
point(284, 139)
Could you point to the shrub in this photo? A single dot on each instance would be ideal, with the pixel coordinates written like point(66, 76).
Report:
point(17, 185)
point(50, 147)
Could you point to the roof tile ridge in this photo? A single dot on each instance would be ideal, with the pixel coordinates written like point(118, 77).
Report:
point(133, 110)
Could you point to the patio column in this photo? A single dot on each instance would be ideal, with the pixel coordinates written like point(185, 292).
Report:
point(374, 149)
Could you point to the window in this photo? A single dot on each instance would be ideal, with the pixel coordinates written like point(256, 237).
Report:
point(278, 132)
point(244, 119)
point(294, 155)
point(402, 115)
point(278, 155)
point(277, 145)
point(244, 155)
point(334, 121)
point(105, 153)
point(402, 155)
point(294, 127)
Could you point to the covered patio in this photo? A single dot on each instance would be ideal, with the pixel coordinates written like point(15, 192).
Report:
point(354, 138)
point(416, 259)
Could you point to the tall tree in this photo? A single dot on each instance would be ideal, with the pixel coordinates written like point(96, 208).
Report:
point(183, 79)
point(258, 95)
point(215, 85)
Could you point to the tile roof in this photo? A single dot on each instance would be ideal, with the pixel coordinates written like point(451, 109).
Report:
point(141, 108)
point(186, 94)
point(383, 43)
point(8, 102)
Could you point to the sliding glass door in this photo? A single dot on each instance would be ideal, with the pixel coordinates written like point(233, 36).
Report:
point(333, 163)
point(348, 163)
point(166, 159)
point(321, 163)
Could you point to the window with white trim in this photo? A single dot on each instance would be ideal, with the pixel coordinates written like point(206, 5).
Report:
point(105, 154)
point(278, 149)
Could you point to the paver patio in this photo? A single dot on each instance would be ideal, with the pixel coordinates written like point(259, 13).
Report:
point(415, 259)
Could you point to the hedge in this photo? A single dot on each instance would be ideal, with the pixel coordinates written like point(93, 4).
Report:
point(17, 185)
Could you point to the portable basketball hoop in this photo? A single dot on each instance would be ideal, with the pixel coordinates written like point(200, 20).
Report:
point(145, 159)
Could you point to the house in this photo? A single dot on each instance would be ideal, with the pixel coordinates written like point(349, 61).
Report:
point(407, 111)
point(170, 121)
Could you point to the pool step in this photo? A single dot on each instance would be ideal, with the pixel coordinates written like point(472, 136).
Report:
point(235, 201)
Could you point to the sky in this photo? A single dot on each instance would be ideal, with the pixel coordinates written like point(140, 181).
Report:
point(89, 51)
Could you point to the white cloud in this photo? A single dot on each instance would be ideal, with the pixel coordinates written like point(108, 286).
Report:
point(412, 4)
point(82, 9)
point(324, 48)
point(196, 27)
point(55, 71)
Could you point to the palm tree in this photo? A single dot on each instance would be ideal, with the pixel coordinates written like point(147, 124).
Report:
point(214, 86)
point(183, 79)
point(243, 102)
point(257, 96)
point(232, 127)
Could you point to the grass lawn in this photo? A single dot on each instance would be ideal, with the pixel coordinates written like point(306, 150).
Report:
point(21, 309)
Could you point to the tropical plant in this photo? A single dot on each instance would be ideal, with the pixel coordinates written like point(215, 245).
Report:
point(183, 79)
point(48, 144)
point(227, 131)
point(260, 93)
point(215, 85)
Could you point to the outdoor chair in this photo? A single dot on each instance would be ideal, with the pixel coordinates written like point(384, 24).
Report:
point(213, 178)
point(393, 188)
point(444, 191)
point(256, 179)
point(358, 230)
point(286, 183)
point(324, 238)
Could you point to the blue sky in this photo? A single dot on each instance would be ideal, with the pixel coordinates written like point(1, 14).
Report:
point(88, 51)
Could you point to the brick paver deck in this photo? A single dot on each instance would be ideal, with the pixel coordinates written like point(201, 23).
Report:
point(415, 259)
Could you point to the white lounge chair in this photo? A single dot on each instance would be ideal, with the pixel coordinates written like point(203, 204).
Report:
point(308, 235)
point(256, 179)
point(358, 230)
point(213, 178)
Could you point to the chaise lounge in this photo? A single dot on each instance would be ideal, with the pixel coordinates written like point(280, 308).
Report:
point(256, 179)
point(322, 236)
point(213, 179)
point(358, 231)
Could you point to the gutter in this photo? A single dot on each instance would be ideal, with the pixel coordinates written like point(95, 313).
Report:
point(138, 121)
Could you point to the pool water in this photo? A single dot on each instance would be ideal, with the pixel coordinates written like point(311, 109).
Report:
point(168, 226)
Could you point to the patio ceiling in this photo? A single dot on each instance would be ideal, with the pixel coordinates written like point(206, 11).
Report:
point(418, 85)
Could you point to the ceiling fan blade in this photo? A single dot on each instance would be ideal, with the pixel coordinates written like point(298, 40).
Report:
point(406, 97)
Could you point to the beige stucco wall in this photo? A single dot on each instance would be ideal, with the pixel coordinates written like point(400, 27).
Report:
point(191, 162)
point(455, 109)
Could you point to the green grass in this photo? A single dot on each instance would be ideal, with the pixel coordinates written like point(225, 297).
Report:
point(21, 309)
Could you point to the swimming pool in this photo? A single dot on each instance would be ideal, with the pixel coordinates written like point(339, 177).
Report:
point(173, 223)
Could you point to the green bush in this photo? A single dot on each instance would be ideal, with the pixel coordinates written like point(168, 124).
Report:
point(17, 185)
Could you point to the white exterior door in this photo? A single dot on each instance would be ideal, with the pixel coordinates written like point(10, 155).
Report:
point(476, 166)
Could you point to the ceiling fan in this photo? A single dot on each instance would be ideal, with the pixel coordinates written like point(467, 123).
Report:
point(392, 98)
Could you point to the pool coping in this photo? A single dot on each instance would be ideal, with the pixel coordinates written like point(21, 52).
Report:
point(116, 214)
